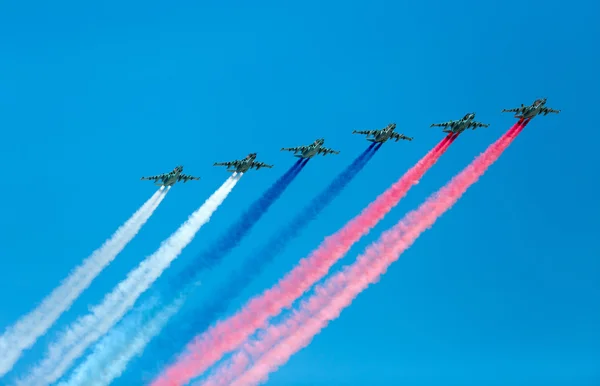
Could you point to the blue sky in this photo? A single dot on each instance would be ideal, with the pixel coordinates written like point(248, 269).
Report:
point(503, 290)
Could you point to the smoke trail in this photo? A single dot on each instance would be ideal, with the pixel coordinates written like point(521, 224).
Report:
point(25, 332)
point(176, 336)
point(115, 348)
point(226, 335)
point(86, 330)
point(81, 374)
point(279, 342)
point(101, 371)
point(232, 237)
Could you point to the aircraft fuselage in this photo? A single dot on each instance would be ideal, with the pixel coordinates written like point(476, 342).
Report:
point(244, 165)
point(243, 168)
point(382, 136)
point(459, 127)
point(310, 152)
point(531, 112)
point(168, 180)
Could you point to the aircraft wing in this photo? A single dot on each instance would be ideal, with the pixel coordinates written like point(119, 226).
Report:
point(475, 125)
point(366, 132)
point(325, 151)
point(515, 110)
point(398, 137)
point(258, 165)
point(445, 124)
point(548, 110)
point(228, 164)
point(154, 178)
point(294, 149)
point(186, 178)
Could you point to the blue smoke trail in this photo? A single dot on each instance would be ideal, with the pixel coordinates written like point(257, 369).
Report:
point(232, 237)
point(176, 336)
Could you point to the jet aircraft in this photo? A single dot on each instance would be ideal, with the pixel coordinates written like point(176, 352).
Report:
point(460, 125)
point(311, 150)
point(384, 134)
point(169, 179)
point(243, 165)
point(538, 107)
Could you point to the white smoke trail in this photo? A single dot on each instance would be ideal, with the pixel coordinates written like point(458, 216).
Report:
point(100, 370)
point(105, 350)
point(25, 332)
point(86, 330)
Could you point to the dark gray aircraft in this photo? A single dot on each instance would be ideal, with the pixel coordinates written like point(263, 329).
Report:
point(384, 134)
point(169, 179)
point(460, 125)
point(311, 150)
point(538, 107)
point(243, 165)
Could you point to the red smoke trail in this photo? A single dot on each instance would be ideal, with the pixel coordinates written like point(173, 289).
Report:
point(278, 343)
point(227, 335)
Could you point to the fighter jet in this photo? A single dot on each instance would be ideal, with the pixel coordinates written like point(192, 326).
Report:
point(460, 125)
point(311, 150)
point(527, 112)
point(384, 134)
point(242, 166)
point(169, 179)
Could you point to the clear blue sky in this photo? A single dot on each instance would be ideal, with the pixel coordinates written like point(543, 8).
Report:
point(502, 291)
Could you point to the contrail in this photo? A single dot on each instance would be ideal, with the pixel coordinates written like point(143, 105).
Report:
point(278, 343)
point(199, 318)
point(227, 335)
point(114, 348)
point(25, 332)
point(86, 330)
